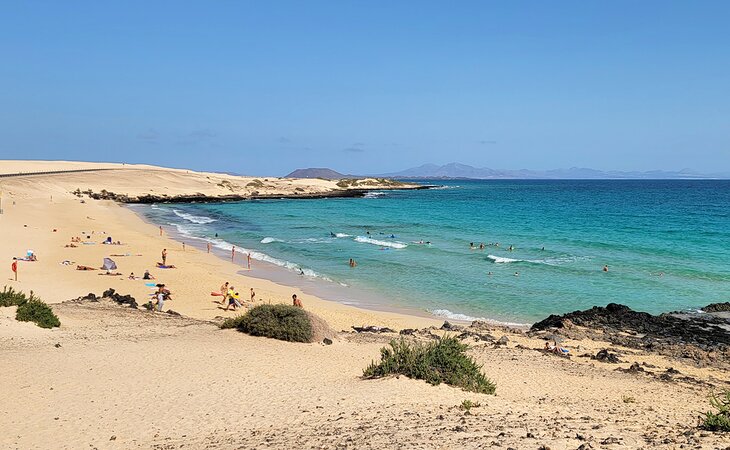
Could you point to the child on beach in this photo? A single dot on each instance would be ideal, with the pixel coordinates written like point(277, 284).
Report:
point(296, 302)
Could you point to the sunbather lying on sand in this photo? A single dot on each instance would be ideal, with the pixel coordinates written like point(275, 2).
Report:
point(114, 274)
point(163, 266)
point(84, 268)
point(557, 349)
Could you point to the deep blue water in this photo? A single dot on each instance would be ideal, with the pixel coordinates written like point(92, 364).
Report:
point(666, 244)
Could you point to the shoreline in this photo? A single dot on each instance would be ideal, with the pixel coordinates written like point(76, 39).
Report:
point(323, 289)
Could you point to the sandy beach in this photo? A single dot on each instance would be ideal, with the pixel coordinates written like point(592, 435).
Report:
point(114, 377)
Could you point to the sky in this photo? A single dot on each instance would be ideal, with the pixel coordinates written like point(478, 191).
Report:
point(366, 87)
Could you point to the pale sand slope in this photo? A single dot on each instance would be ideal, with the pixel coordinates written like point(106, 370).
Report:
point(30, 216)
point(136, 180)
point(133, 379)
point(150, 379)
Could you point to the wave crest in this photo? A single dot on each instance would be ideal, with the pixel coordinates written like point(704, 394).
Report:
point(192, 218)
point(393, 244)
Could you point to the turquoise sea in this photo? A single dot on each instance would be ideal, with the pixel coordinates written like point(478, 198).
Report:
point(666, 244)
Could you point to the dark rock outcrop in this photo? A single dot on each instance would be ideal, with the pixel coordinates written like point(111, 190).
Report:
point(703, 338)
point(120, 299)
point(606, 356)
point(704, 332)
point(717, 307)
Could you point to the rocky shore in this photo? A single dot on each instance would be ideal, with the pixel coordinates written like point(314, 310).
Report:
point(703, 338)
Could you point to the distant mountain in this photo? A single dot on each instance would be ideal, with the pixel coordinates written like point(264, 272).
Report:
point(327, 174)
point(456, 170)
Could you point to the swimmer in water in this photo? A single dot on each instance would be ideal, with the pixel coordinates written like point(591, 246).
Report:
point(517, 274)
point(471, 245)
point(481, 246)
point(605, 268)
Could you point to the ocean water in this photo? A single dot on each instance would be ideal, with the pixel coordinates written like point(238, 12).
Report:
point(666, 244)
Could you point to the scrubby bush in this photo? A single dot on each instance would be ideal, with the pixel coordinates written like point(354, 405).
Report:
point(284, 322)
point(38, 312)
point(718, 420)
point(11, 297)
point(232, 322)
point(442, 361)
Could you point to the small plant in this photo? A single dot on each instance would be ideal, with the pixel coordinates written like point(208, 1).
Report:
point(628, 399)
point(255, 183)
point(718, 420)
point(37, 312)
point(11, 297)
point(443, 361)
point(284, 322)
point(467, 405)
point(346, 182)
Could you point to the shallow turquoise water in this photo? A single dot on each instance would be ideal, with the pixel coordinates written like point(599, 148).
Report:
point(667, 244)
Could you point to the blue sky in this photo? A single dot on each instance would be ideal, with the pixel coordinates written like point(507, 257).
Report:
point(368, 86)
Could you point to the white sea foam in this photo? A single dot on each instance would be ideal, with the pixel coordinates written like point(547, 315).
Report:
point(502, 260)
point(192, 218)
point(438, 188)
point(268, 240)
point(391, 244)
point(342, 235)
point(556, 261)
point(374, 194)
point(457, 316)
point(260, 256)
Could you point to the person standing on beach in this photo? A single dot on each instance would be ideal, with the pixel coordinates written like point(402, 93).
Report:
point(208, 247)
point(233, 252)
point(253, 295)
point(164, 256)
point(14, 268)
point(160, 230)
point(248, 259)
point(224, 292)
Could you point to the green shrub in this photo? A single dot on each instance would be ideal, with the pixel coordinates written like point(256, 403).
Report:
point(720, 419)
point(38, 312)
point(284, 322)
point(232, 322)
point(443, 361)
point(11, 297)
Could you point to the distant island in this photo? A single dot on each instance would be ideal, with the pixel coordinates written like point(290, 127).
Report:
point(315, 172)
point(463, 171)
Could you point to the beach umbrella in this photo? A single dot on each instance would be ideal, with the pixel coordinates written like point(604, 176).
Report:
point(109, 264)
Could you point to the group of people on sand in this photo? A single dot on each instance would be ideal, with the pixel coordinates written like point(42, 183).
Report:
point(161, 295)
point(231, 297)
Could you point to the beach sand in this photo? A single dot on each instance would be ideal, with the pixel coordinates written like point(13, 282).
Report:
point(114, 377)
